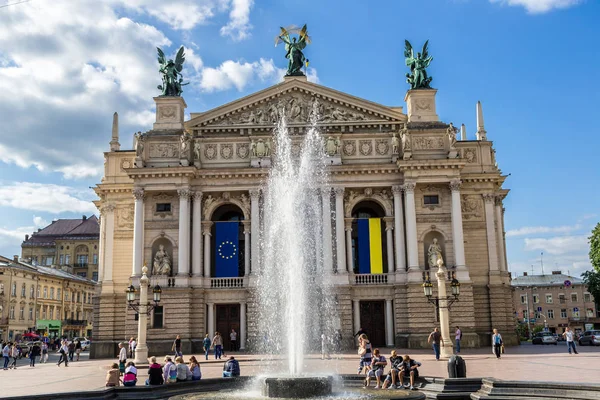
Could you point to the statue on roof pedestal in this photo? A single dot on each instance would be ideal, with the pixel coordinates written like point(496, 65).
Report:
point(171, 73)
point(418, 78)
point(293, 48)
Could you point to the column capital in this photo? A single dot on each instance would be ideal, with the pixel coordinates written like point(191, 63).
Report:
point(348, 224)
point(455, 185)
point(107, 208)
point(254, 194)
point(389, 223)
point(397, 190)
point(247, 225)
point(409, 186)
point(325, 190)
point(206, 225)
point(138, 193)
point(198, 195)
point(489, 198)
point(339, 191)
point(184, 193)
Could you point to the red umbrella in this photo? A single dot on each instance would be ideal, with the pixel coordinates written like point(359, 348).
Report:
point(31, 335)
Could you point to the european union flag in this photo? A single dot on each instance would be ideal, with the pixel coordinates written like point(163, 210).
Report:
point(226, 249)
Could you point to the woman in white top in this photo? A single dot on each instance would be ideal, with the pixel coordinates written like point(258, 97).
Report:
point(122, 357)
point(63, 350)
point(497, 342)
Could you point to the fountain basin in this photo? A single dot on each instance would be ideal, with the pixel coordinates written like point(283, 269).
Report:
point(297, 387)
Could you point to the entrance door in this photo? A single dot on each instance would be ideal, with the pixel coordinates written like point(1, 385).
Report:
point(372, 320)
point(228, 318)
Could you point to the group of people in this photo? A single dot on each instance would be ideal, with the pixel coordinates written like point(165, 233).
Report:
point(402, 373)
point(11, 352)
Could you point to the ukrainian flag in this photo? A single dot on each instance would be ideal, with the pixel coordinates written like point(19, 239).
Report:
point(370, 254)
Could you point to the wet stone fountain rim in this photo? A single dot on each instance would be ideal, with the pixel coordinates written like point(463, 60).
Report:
point(297, 387)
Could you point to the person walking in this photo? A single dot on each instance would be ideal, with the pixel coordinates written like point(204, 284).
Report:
point(233, 340)
point(458, 338)
point(497, 343)
point(570, 337)
point(177, 347)
point(435, 338)
point(33, 353)
point(324, 347)
point(14, 354)
point(77, 348)
point(132, 346)
point(64, 351)
point(217, 343)
point(6, 355)
point(71, 350)
point(206, 344)
point(44, 358)
point(122, 357)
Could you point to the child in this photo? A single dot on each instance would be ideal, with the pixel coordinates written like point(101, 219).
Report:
point(112, 376)
point(377, 367)
point(130, 377)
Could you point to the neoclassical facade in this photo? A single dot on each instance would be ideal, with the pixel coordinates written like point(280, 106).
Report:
point(161, 204)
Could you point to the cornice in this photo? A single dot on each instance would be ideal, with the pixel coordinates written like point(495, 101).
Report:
point(430, 164)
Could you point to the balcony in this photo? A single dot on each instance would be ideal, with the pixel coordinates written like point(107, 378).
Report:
point(226, 283)
point(373, 279)
point(74, 322)
point(80, 265)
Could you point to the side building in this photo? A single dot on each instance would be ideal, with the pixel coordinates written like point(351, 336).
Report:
point(69, 244)
point(556, 301)
point(43, 299)
point(433, 194)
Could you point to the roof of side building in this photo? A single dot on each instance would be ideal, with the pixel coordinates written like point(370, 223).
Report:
point(42, 270)
point(545, 280)
point(81, 228)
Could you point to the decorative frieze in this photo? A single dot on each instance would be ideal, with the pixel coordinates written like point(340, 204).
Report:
point(163, 150)
point(349, 148)
point(427, 143)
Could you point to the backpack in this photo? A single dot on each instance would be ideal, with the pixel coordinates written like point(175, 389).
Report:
point(172, 373)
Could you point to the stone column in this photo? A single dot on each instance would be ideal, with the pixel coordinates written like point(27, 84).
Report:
point(327, 244)
point(399, 230)
point(348, 229)
point(491, 231)
point(356, 315)
point(254, 229)
point(339, 230)
point(184, 232)
point(458, 240)
point(389, 225)
point(242, 326)
point(210, 319)
point(107, 230)
point(138, 232)
point(197, 235)
point(500, 234)
point(141, 350)
point(247, 227)
point(446, 347)
point(206, 225)
point(389, 324)
point(411, 227)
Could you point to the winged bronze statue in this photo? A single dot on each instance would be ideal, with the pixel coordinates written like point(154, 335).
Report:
point(293, 48)
point(171, 73)
point(418, 78)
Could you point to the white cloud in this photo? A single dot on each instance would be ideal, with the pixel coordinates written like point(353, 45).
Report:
point(557, 245)
point(50, 198)
point(239, 74)
point(179, 14)
point(39, 222)
point(531, 230)
point(238, 27)
point(539, 6)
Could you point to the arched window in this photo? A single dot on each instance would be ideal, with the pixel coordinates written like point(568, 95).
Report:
point(227, 242)
point(369, 242)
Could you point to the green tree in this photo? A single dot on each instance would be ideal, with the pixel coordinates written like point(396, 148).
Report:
point(592, 278)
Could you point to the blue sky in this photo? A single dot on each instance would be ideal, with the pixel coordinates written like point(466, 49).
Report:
point(66, 66)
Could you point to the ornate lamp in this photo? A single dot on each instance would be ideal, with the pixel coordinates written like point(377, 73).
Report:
point(156, 292)
point(455, 285)
point(428, 287)
point(130, 294)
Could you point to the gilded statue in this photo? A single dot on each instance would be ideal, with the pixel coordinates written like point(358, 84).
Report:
point(434, 253)
point(162, 262)
point(172, 80)
point(293, 48)
point(418, 78)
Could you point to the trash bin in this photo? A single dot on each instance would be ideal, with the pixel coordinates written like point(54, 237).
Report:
point(457, 367)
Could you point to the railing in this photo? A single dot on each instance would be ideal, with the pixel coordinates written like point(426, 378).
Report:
point(226, 283)
point(371, 279)
point(80, 265)
point(74, 322)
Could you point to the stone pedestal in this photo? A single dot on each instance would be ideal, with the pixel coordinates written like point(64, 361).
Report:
point(169, 113)
point(421, 105)
point(333, 160)
point(260, 162)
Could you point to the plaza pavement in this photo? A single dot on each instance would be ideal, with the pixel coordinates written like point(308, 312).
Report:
point(525, 362)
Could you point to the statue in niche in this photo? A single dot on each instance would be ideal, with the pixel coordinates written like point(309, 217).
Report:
point(434, 253)
point(451, 132)
point(395, 143)
point(406, 146)
point(332, 146)
point(261, 148)
point(185, 144)
point(162, 262)
point(139, 144)
point(197, 151)
point(418, 78)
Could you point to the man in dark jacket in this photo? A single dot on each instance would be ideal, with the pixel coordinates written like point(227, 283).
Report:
point(231, 368)
point(34, 352)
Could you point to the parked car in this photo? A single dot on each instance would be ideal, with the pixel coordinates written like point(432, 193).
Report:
point(544, 338)
point(24, 349)
point(591, 338)
point(85, 343)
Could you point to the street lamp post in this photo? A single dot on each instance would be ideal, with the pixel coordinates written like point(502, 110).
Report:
point(143, 308)
point(443, 303)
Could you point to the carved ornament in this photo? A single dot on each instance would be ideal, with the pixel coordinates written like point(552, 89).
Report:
point(138, 194)
point(470, 155)
point(125, 217)
point(380, 196)
point(365, 147)
point(427, 143)
point(210, 151)
point(471, 207)
point(226, 151)
point(382, 147)
point(349, 147)
point(242, 150)
point(163, 150)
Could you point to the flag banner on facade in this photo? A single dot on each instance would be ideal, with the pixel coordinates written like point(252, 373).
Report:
point(226, 249)
point(370, 259)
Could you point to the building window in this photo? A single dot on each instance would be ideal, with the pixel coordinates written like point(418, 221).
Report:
point(51, 312)
point(45, 292)
point(590, 313)
point(38, 292)
point(574, 297)
point(13, 291)
point(163, 207)
point(68, 259)
point(62, 259)
point(22, 312)
point(587, 297)
point(157, 320)
point(49, 260)
point(549, 298)
point(31, 313)
point(525, 314)
point(52, 293)
point(58, 294)
point(523, 299)
point(32, 292)
point(562, 299)
point(95, 259)
point(431, 200)
point(95, 276)
point(563, 313)
point(536, 314)
point(78, 297)
point(536, 298)
point(82, 274)
point(23, 290)
point(12, 312)
point(66, 296)
point(550, 314)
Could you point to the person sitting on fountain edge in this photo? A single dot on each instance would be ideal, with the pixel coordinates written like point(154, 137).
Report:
point(395, 367)
point(377, 367)
point(409, 371)
point(231, 368)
